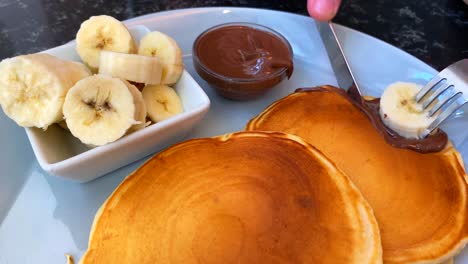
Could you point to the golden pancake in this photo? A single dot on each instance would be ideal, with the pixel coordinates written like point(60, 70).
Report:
point(248, 197)
point(420, 200)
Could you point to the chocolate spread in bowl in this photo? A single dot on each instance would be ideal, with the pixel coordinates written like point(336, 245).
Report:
point(242, 60)
point(435, 142)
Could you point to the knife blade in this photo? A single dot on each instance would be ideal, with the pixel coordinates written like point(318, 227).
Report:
point(338, 61)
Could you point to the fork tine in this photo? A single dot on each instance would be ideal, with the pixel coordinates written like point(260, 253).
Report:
point(443, 104)
point(433, 82)
point(450, 98)
point(447, 111)
point(449, 94)
point(437, 92)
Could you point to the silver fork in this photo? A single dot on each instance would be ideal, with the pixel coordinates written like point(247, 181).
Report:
point(445, 93)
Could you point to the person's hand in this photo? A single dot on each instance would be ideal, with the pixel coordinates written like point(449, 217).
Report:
point(323, 9)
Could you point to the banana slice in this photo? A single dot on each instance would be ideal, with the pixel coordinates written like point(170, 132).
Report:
point(99, 109)
point(63, 125)
point(132, 67)
point(140, 111)
point(166, 49)
point(400, 112)
point(161, 102)
point(102, 33)
point(33, 88)
point(171, 73)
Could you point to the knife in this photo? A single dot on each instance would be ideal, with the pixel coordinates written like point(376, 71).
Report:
point(335, 53)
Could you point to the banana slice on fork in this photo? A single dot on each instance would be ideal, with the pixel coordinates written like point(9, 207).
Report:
point(400, 111)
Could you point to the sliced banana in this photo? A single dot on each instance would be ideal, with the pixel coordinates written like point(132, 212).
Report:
point(166, 49)
point(102, 33)
point(161, 102)
point(132, 67)
point(171, 73)
point(140, 111)
point(33, 88)
point(99, 109)
point(400, 112)
point(63, 125)
point(78, 69)
point(159, 44)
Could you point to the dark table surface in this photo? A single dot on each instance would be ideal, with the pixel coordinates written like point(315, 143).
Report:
point(434, 31)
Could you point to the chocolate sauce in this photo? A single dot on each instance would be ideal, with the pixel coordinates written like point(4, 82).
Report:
point(435, 142)
point(242, 61)
point(245, 52)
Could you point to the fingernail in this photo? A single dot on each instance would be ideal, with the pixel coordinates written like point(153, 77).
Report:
point(323, 9)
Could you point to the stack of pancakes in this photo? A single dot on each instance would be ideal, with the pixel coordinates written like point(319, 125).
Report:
point(322, 186)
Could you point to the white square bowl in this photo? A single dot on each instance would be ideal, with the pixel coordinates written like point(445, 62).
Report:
point(61, 154)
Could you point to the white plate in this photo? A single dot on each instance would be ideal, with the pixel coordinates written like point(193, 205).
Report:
point(45, 217)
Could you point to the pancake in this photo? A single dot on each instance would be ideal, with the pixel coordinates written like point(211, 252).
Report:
point(420, 200)
point(248, 197)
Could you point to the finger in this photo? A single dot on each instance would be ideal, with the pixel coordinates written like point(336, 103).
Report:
point(323, 9)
